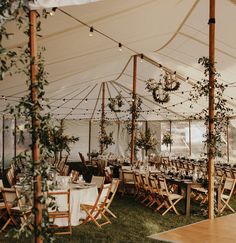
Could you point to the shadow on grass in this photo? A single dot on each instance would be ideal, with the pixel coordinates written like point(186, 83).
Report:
point(134, 223)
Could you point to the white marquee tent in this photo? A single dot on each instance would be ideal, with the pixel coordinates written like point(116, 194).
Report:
point(171, 33)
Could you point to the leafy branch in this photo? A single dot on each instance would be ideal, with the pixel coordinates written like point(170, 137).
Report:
point(222, 110)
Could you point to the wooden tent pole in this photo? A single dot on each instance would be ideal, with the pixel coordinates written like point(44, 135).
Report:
point(170, 133)
point(227, 140)
point(146, 128)
point(211, 146)
point(190, 137)
point(35, 124)
point(15, 142)
point(89, 145)
point(134, 108)
point(3, 144)
point(103, 116)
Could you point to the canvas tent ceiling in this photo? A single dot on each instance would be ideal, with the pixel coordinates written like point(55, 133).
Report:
point(173, 33)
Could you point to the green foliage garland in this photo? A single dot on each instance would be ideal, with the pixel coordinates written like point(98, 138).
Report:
point(51, 139)
point(222, 111)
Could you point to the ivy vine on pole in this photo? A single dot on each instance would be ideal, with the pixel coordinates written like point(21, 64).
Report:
point(222, 110)
point(20, 61)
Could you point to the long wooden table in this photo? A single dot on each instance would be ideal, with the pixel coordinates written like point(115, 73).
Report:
point(187, 185)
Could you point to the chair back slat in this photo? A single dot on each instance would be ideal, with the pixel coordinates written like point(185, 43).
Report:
point(98, 181)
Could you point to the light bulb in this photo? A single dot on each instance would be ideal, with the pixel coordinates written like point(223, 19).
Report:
point(120, 47)
point(141, 58)
point(91, 31)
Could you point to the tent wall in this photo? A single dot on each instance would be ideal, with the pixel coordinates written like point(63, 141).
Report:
point(9, 145)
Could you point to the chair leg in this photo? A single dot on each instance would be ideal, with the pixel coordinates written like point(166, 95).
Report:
point(6, 224)
point(110, 212)
point(226, 204)
point(172, 206)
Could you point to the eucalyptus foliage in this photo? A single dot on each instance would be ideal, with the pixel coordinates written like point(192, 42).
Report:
point(222, 110)
point(20, 61)
point(146, 140)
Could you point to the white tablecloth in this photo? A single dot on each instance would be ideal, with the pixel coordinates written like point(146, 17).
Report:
point(77, 196)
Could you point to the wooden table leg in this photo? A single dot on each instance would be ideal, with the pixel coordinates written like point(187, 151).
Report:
point(218, 198)
point(187, 199)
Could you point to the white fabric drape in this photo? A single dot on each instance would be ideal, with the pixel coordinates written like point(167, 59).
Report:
point(40, 4)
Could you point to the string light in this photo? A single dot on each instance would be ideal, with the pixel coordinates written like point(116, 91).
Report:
point(52, 13)
point(120, 46)
point(141, 56)
point(91, 31)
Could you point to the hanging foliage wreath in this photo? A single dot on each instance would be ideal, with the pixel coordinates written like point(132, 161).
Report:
point(170, 82)
point(164, 99)
point(158, 92)
point(116, 103)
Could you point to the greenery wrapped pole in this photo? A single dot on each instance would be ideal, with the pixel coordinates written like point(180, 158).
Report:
point(170, 134)
point(227, 134)
point(211, 132)
point(103, 117)
point(146, 131)
point(189, 137)
point(134, 109)
point(35, 124)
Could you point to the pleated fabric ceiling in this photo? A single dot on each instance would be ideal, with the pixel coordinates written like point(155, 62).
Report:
point(172, 33)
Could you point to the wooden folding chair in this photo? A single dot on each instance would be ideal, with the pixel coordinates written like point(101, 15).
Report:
point(146, 187)
point(74, 174)
point(98, 209)
point(65, 170)
point(85, 168)
point(108, 174)
point(154, 190)
point(10, 177)
point(62, 199)
point(3, 209)
point(226, 193)
point(140, 193)
point(169, 199)
point(128, 181)
point(98, 181)
point(18, 213)
point(114, 186)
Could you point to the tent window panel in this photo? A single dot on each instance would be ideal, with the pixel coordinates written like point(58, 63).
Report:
point(232, 141)
point(23, 137)
point(77, 129)
point(165, 128)
point(180, 136)
point(95, 130)
point(198, 130)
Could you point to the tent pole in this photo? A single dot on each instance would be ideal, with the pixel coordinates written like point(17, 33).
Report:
point(35, 124)
point(89, 144)
point(3, 144)
point(227, 140)
point(146, 128)
point(170, 133)
point(15, 130)
point(190, 137)
point(134, 108)
point(211, 146)
point(103, 116)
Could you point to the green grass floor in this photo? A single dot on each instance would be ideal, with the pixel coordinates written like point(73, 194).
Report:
point(134, 223)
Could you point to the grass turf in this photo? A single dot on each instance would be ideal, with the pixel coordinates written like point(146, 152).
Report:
point(134, 223)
